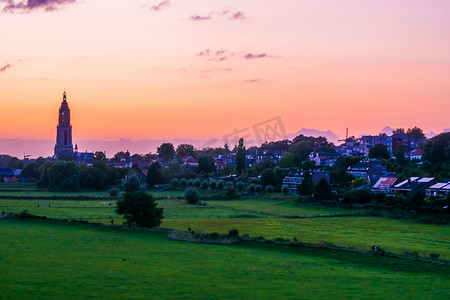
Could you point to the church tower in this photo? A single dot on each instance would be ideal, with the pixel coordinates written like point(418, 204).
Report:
point(64, 130)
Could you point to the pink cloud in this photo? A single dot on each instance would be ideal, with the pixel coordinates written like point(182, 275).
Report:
point(161, 5)
point(47, 5)
point(3, 69)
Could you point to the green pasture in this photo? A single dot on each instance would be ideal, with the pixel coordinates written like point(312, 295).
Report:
point(352, 232)
point(48, 260)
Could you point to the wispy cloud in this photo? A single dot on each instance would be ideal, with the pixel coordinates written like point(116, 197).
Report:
point(225, 13)
point(253, 81)
point(200, 18)
point(239, 15)
point(3, 69)
point(161, 5)
point(255, 56)
point(215, 55)
point(30, 5)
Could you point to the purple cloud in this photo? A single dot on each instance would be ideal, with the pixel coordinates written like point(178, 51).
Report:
point(253, 81)
point(200, 18)
point(29, 5)
point(3, 69)
point(239, 15)
point(204, 53)
point(161, 5)
point(253, 56)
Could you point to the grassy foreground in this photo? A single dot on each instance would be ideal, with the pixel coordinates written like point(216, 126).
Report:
point(76, 261)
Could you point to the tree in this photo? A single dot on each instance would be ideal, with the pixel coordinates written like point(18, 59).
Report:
point(206, 165)
point(31, 172)
point(399, 131)
point(93, 178)
point(154, 175)
point(306, 187)
point(322, 190)
point(379, 151)
point(166, 151)
point(60, 176)
point(15, 163)
point(288, 160)
point(301, 149)
point(139, 209)
point(268, 177)
point(415, 133)
point(132, 184)
point(240, 157)
point(185, 150)
point(99, 155)
point(437, 149)
point(191, 195)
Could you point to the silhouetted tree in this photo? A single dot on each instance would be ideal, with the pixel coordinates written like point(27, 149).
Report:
point(240, 157)
point(154, 175)
point(140, 209)
point(185, 150)
point(166, 151)
point(379, 151)
point(99, 155)
point(206, 165)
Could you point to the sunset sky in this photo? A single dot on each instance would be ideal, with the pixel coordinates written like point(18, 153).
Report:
point(144, 69)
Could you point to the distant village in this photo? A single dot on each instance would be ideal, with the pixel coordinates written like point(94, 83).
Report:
point(401, 163)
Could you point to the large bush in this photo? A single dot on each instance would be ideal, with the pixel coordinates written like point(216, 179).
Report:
point(220, 184)
point(140, 209)
point(191, 195)
point(205, 184)
point(174, 182)
point(60, 176)
point(240, 186)
point(213, 185)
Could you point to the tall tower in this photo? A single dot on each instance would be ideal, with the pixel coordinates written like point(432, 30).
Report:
point(64, 130)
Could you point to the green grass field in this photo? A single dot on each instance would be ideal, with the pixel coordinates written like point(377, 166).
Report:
point(48, 260)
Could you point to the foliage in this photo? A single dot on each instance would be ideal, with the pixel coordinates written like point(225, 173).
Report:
point(93, 178)
point(15, 163)
point(437, 149)
point(358, 196)
point(191, 195)
point(233, 232)
point(231, 192)
point(154, 175)
point(60, 176)
point(240, 157)
point(301, 150)
point(183, 182)
point(113, 192)
point(306, 187)
point(356, 183)
point(99, 155)
point(220, 184)
point(285, 190)
point(197, 183)
point(258, 188)
point(140, 209)
point(205, 184)
point(268, 177)
point(251, 188)
point(268, 188)
point(379, 151)
point(166, 151)
point(31, 172)
point(186, 150)
point(213, 184)
point(240, 186)
point(288, 160)
point(132, 184)
point(206, 165)
point(190, 182)
point(175, 182)
point(322, 190)
point(415, 133)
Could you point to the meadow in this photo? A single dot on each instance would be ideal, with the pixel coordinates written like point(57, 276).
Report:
point(43, 259)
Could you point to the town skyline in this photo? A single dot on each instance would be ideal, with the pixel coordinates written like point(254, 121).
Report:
point(170, 69)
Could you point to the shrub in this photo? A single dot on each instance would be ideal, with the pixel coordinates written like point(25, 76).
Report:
point(269, 189)
point(140, 209)
point(285, 190)
point(251, 188)
point(191, 195)
point(220, 185)
point(132, 184)
point(231, 192)
point(113, 192)
point(205, 184)
point(190, 183)
point(240, 186)
point(183, 182)
point(174, 182)
point(197, 183)
point(233, 233)
point(213, 185)
point(258, 188)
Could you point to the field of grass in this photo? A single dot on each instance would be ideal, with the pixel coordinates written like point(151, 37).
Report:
point(75, 261)
point(352, 232)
